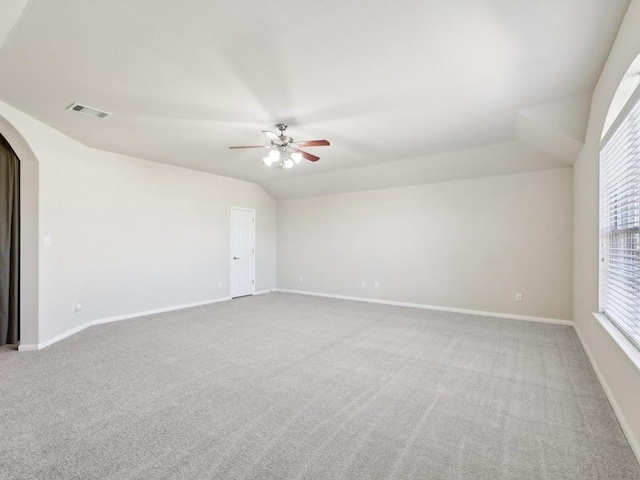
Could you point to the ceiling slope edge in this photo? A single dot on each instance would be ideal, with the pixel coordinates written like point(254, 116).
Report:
point(487, 161)
point(557, 128)
point(11, 13)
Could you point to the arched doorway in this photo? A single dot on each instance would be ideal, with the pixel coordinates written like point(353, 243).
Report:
point(9, 245)
point(29, 236)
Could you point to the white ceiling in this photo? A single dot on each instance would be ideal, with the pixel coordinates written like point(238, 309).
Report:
point(384, 81)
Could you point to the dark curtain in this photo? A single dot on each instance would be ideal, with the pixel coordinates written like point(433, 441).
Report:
point(9, 244)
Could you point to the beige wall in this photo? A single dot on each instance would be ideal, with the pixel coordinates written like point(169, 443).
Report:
point(131, 235)
point(470, 244)
point(618, 372)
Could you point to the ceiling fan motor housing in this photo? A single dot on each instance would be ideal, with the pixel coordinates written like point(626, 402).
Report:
point(285, 139)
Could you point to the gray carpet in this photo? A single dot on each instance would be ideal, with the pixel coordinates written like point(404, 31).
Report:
point(283, 386)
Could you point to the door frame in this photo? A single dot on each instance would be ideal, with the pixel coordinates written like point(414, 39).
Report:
point(244, 209)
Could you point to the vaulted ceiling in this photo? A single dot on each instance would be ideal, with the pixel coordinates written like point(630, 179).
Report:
point(407, 92)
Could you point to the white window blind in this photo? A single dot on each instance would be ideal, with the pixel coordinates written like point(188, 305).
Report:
point(620, 222)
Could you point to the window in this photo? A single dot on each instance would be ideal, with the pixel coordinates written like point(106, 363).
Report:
point(620, 221)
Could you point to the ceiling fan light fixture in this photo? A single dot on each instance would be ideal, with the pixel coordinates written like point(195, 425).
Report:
point(274, 155)
point(296, 157)
point(288, 163)
point(267, 161)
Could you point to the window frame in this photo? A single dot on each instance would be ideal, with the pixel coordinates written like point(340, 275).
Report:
point(602, 316)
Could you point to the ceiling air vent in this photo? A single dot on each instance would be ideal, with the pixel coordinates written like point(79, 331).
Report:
point(90, 111)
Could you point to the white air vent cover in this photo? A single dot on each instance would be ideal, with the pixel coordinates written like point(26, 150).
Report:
point(90, 111)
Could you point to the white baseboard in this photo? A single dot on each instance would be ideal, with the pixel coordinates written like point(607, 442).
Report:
point(433, 307)
point(622, 420)
point(62, 336)
point(28, 347)
point(158, 310)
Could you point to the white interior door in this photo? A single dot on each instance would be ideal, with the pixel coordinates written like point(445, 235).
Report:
point(243, 254)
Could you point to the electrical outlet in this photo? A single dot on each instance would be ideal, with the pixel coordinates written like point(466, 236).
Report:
point(76, 307)
point(518, 297)
point(376, 285)
point(362, 284)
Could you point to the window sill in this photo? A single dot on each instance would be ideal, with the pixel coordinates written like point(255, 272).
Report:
point(623, 342)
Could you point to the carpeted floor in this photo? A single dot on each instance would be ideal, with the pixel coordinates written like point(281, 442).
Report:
point(282, 386)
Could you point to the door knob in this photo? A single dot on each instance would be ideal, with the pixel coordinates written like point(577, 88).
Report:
point(236, 258)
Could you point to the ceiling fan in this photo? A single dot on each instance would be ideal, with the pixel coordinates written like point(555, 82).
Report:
point(285, 153)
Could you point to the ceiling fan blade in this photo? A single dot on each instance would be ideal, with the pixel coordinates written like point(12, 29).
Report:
point(274, 137)
point(253, 146)
point(308, 156)
point(313, 143)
